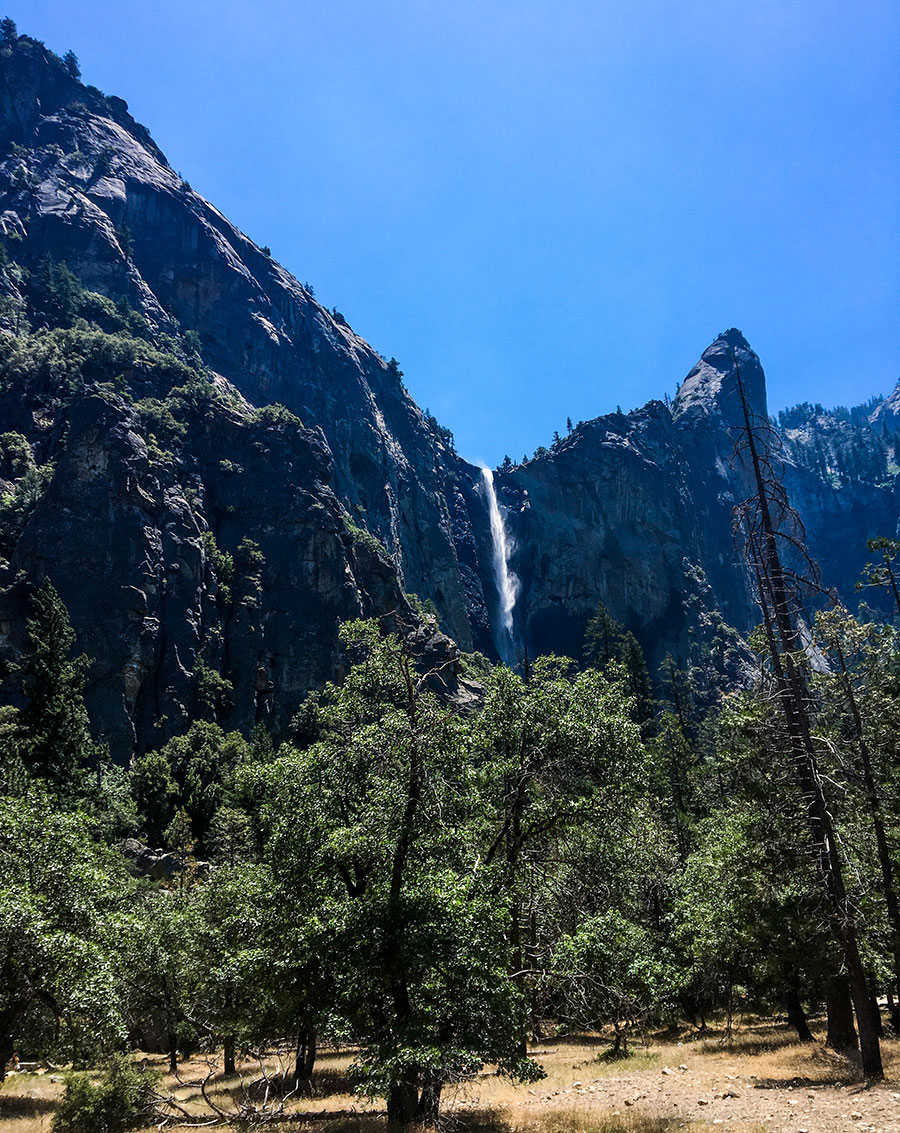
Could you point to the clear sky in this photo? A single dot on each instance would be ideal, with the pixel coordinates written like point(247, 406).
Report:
point(543, 208)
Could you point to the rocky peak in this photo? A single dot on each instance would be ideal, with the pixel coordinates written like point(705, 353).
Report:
point(35, 84)
point(888, 412)
point(710, 389)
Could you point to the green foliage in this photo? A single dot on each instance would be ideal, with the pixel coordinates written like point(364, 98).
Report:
point(60, 892)
point(276, 415)
point(123, 1099)
point(637, 678)
point(155, 793)
point(16, 506)
point(425, 608)
point(602, 638)
point(213, 690)
point(248, 567)
point(606, 641)
point(70, 61)
point(231, 836)
point(222, 565)
point(163, 430)
point(201, 762)
point(16, 456)
point(616, 974)
point(53, 734)
point(360, 537)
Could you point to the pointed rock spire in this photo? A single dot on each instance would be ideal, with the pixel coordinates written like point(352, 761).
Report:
point(710, 389)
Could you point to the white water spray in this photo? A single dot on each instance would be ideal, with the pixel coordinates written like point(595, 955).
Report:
point(507, 582)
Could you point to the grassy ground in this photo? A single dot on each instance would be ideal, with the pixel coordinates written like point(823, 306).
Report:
point(758, 1080)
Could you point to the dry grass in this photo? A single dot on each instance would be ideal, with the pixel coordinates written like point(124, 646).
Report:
point(756, 1080)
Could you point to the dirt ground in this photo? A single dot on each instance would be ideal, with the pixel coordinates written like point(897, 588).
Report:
point(759, 1081)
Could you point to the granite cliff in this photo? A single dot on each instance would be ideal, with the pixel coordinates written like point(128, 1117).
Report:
point(215, 470)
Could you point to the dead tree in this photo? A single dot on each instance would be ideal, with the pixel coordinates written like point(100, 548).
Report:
point(766, 523)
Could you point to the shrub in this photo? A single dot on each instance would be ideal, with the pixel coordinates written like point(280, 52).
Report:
point(363, 538)
point(222, 565)
point(276, 414)
point(123, 1099)
point(16, 506)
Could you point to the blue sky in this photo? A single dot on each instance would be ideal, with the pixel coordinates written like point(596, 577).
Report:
point(543, 209)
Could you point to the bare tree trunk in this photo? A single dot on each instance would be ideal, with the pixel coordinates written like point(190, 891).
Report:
point(230, 1068)
point(785, 647)
point(173, 1052)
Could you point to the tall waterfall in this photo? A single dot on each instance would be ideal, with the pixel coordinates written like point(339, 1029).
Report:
point(507, 582)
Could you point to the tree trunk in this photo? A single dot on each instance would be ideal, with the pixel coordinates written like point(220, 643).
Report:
point(797, 1016)
point(402, 1101)
point(876, 1010)
point(230, 1068)
point(306, 1057)
point(787, 658)
point(876, 811)
point(893, 1011)
point(429, 1107)
point(173, 1053)
point(867, 1022)
point(841, 1034)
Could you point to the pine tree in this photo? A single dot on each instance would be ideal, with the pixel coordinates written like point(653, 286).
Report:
point(53, 730)
point(637, 678)
point(8, 31)
point(602, 638)
point(70, 60)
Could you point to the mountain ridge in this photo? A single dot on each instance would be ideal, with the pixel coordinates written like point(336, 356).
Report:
point(355, 499)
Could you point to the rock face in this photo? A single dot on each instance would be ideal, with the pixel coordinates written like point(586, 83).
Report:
point(85, 183)
point(209, 573)
point(635, 511)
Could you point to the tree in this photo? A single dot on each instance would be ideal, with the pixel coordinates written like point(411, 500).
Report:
point(154, 945)
point(60, 894)
point(637, 678)
point(766, 522)
point(843, 637)
point(230, 836)
point(602, 638)
point(8, 31)
point(883, 575)
point(553, 753)
point(615, 975)
point(156, 794)
point(70, 61)
point(383, 797)
point(228, 961)
point(201, 761)
point(53, 731)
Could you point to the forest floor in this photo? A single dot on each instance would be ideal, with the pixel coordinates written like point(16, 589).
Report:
point(759, 1081)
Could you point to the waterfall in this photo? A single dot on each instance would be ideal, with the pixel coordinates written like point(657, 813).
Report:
point(507, 583)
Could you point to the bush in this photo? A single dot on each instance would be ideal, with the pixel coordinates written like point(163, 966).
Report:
point(363, 538)
point(276, 414)
point(123, 1099)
